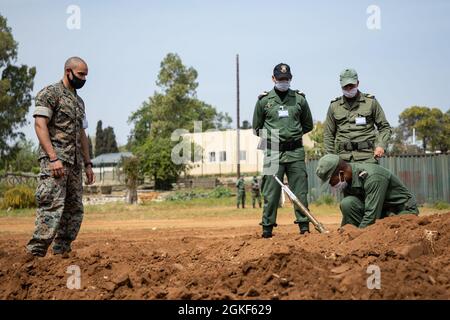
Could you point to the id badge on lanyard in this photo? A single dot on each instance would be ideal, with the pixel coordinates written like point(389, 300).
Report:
point(283, 112)
point(360, 121)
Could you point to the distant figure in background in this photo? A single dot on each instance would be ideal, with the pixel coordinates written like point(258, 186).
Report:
point(240, 185)
point(256, 192)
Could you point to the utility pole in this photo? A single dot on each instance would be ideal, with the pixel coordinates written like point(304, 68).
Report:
point(238, 121)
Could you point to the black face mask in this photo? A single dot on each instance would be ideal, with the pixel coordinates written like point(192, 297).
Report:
point(76, 82)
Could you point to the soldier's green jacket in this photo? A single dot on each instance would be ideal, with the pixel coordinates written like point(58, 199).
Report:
point(66, 112)
point(341, 127)
point(291, 128)
point(240, 185)
point(379, 190)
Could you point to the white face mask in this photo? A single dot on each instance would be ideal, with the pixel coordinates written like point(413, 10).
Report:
point(350, 93)
point(340, 186)
point(282, 85)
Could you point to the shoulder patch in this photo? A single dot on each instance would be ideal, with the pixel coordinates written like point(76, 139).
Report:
point(363, 174)
point(368, 95)
point(265, 93)
point(335, 99)
point(300, 93)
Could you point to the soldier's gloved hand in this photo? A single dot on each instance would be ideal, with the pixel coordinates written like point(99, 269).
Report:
point(57, 169)
point(379, 152)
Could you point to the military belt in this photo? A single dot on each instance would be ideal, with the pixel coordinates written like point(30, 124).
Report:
point(287, 145)
point(356, 146)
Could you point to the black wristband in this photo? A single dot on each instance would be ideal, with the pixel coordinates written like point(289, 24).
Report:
point(88, 164)
point(52, 161)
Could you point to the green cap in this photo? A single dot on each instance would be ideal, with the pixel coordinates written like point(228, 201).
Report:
point(326, 166)
point(348, 76)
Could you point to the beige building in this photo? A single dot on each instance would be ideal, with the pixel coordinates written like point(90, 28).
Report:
point(220, 152)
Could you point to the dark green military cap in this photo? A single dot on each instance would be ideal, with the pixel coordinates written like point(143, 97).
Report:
point(282, 71)
point(326, 166)
point(348, 76)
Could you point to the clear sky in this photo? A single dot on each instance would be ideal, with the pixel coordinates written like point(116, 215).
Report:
point(405, 62)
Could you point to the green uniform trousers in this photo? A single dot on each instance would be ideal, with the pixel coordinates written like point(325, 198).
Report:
point(353, 210)
point(298, 183)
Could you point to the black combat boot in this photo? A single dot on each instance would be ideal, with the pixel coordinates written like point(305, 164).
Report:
point(267, 232)
point(304, 227)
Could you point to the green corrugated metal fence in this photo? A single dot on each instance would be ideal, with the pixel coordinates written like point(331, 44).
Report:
point(427, 176)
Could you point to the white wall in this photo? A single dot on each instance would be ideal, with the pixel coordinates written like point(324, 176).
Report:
point(218, 141)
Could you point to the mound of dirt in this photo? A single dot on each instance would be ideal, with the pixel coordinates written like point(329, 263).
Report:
point(411, 253)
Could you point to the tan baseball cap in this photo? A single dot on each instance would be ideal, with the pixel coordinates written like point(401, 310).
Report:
point(348, 76)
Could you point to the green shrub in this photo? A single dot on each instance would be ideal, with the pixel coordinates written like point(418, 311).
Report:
point(19, 197)
point(3, 189)
point(441, 205)
point(186, 195)
point(220, 192)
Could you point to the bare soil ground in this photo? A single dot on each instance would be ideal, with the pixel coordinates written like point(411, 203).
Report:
point(226, 258)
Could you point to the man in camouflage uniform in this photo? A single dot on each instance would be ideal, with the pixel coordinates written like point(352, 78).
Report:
point(371, 192)
point(282, 116)
point(356, 128)
point(60, 121)
point(240, 185)
point(256, 192)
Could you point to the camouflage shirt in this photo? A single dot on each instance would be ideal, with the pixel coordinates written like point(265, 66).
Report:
point(255, 185)
point(66, 112)
point(240, 185)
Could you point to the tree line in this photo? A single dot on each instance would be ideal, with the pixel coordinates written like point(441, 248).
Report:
point(173, 105)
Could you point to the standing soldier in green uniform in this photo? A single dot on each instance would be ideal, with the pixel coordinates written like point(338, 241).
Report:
point(356, 128)
point(281, 117)
point(256, 192)
point(370, 191)
point(240, 185)
point(60, 121)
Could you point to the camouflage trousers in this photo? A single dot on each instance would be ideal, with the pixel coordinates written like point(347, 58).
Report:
point(256, 195)
point(60, 209)
point(240, 198)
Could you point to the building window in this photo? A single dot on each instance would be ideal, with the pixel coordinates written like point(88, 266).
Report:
point(212, 157)
point(223, 156)
point(242, 155)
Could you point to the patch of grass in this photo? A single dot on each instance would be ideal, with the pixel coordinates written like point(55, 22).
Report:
point(176, 209)
point(17, 213)
point(441, 205)
point(187, 195)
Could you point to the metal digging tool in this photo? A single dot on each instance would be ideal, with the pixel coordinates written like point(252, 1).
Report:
point(319, 227)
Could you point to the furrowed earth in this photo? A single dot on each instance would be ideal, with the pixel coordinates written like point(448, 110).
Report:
point(226, 258)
